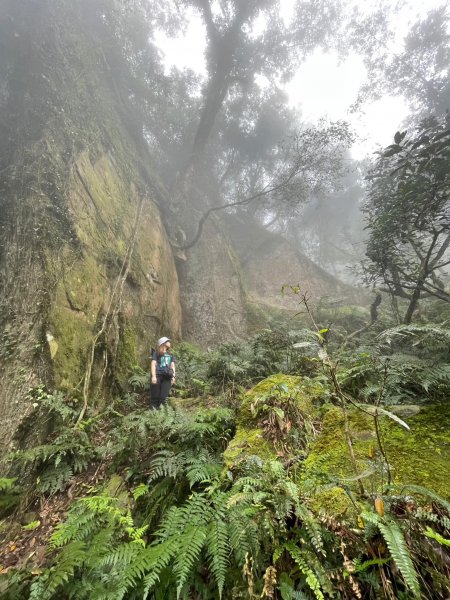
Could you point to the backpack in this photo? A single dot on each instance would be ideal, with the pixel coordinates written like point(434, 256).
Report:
point(167, 372)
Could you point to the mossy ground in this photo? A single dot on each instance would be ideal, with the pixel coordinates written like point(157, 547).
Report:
point(420, 456)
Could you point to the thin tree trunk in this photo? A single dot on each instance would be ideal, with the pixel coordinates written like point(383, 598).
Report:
point(412, 305)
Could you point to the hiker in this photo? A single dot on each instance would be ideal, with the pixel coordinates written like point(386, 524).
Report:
point(162, 372)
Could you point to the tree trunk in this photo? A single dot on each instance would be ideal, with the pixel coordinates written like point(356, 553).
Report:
point(412, 305)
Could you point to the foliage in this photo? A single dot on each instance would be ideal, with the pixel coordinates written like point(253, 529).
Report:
point(140, 380)
point(9, 494)
point(192, 371)
point(192, 522)
point(405, 364)
point(69, 450)
point(407, 215)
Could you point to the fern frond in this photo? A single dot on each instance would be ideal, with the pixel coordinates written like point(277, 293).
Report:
point(218, 550)
point(151, 563)
point(398, 548)
point(166, 463)
point(55, 478)
point(243, 535)
point(191, 544)
point(120, 556)
point(311, 579)
point(72, 556)
point(424, 333)
point(434, 535)
point(395, 541)
point(423, 491)
point(312, 527)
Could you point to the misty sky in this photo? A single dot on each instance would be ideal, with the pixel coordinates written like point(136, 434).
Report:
point(323, 86)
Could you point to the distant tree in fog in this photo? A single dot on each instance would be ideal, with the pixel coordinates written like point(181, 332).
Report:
point(421, 70)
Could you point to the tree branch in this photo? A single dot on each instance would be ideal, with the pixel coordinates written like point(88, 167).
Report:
point(441, 252)
point(264, 192)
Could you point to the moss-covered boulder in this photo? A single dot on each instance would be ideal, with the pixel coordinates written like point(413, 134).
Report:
point(300, 393)
point(306, 393)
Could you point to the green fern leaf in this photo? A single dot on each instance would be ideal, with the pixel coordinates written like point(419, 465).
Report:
point(311, 579)
point(395, 541)
point(218, 550)
point(190, 546)
point(400, 553)
point(71, 557)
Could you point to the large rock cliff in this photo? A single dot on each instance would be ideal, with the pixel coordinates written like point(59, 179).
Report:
point(87, 274)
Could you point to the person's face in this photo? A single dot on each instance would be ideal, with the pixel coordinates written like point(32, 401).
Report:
point(167, 348)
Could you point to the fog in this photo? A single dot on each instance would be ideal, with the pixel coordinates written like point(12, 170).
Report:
point(280, 113)
point(371, 71)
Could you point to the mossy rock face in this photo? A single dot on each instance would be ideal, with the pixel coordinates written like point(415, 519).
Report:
point(116, 488)
point(349, 316)
point(419, 456)
point(103, 205)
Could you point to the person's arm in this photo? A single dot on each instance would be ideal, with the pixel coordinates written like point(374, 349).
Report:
point(172, 366)
point(153, 370)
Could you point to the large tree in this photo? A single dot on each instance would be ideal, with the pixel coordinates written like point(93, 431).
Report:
point(408, 215)
point(247, 148)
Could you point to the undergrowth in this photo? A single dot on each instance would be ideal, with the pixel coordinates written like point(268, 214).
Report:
point(177, 523)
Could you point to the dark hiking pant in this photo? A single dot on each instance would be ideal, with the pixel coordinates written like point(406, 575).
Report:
point(159, 392)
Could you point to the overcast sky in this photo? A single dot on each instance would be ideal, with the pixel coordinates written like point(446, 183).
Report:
point(322, 86)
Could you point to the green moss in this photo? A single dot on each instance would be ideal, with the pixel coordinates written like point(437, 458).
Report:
point(85, 276)
point(257, 318)
point(333, 501)
point(247, 442)
point(78, 300)
point(260, 315)
point(304, 391)
point(350, 316)
point(420, 456)
point(249, 438)
point(126, 355)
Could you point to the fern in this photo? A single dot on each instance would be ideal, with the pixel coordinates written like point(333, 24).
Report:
point(310, 577)
point(418, 489)
point(139, 380)
point(54, 478)
point(395, 541)
point(312, 528)
point(192, 541)
point(218, 547)
point(434, 535)
point(425, 335)
point(71, 557)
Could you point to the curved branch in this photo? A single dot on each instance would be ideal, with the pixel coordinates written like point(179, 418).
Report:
point(264, 192)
